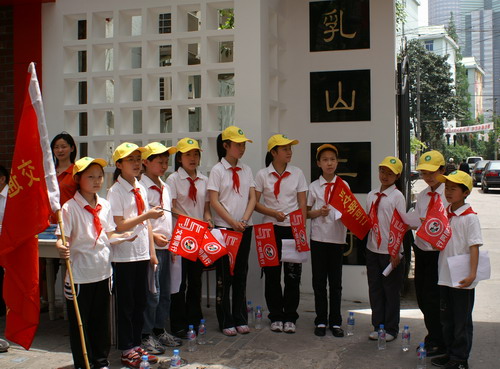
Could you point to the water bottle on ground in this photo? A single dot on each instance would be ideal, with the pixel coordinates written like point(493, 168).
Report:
point(250, 313)
point(350, 324)
point(258, 318)
point(191, 339)
point(202, 333)
point(405, 339)
point(381, 338)
point(421, 356)
point(145, 362)
point(175, 361)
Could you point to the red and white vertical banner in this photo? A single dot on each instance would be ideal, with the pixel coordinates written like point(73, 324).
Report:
point(232, 240)
point(436, 228)
point(211, 249)
point(187, 237)
point(299, 230)
point(397, 231)
point(267, 250)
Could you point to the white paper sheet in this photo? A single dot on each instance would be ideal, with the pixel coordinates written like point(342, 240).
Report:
point(151, 277)
point(460, 267)
point(289, 253)
point(137, 230)
point(389, 268)
point(175, 274)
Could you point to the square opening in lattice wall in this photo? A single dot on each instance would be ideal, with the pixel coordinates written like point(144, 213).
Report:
point(102, 58)
point(75, 27)
point(193, 56)
point(83, 123)
point(164, 55)
point(165, 120)
point(102, 25)
point(130, 23)
point(164, 88)
point(194, 87)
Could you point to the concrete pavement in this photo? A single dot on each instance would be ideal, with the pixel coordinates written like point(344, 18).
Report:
point(265, 349)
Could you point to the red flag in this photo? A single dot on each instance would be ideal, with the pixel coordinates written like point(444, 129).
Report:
point(299, 230)
point(436, 228)
point(396, 233)
point(267, 251)
point(211, 249)
point(353, 215)
point(33, 196)
point(187, 237)
point(232, 240)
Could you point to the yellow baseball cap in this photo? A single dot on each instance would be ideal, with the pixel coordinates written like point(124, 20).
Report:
point(125, 149)
point(188, 144)
point(457, 176)
point(393, 164)
point(235, 134)
point(431, 161)
point(155, 148)
point(280, 140)
point(83, 163)
point(326, 146)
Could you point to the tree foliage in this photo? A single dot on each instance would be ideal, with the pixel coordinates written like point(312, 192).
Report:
point(400, 14)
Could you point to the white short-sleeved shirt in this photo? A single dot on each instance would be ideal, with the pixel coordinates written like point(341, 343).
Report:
point(221, 181)
point(90, 258)
point(421, 208)
point(123, 204)
point(393, 199)
point(163, 224)
point(289, 187)
point(179, 189)
point(465, 232)
point(325, 229)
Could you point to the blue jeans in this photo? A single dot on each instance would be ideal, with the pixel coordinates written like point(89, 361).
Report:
point(158, 304)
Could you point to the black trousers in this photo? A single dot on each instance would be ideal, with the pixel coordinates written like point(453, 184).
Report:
point(326, 262)
point(427, 291)
point(283, 303)
point(131, 292)
point(456, 317)
point(384, 292)
point(185, 305)
point(231, 316)
point(94, 301)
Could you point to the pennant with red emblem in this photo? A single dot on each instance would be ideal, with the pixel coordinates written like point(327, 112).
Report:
point(436, 229)
point(267, 251)
point(232, 240)
point(211, 249)
point(187, 237)
point(396, 233)
point(299, 230)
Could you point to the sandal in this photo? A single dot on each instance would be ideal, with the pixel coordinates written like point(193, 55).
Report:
point(229, 331)
point(243, 329)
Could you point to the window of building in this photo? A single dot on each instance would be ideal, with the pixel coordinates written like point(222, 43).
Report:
point(429, 45)
point(165, 23)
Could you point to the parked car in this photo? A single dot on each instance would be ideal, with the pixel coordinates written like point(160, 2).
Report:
point(477, 171)
point(471, 160)
point(491, 175)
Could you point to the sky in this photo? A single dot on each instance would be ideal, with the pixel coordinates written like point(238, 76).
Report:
point(422, 13)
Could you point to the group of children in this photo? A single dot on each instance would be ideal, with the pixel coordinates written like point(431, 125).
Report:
point(132, 229)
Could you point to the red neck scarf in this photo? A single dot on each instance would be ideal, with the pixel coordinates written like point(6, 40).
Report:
point(432, 201)
point(278, 182)
point(374, 217)
point(466, 212)
point(328, 191)
point(236, 179)
point(138, 201)
point(160, 191)
point(192, 188)
point(95, 214)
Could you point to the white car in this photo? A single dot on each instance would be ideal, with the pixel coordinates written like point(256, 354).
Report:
point(471, 160)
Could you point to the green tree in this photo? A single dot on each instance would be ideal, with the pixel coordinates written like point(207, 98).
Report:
point(400, 14)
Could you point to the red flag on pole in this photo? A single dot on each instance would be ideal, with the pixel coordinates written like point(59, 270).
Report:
point(436, 228)
point(232, 240)
point(353, 215)
point(396, 233)
point(299, 230)
point(187, 237)
point(33, 196)
point(267, 251)
point(211, 249)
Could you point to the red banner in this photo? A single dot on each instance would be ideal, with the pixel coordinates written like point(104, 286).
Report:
point(210, 249)
point(187, 237)
point(232, 240)
point(299, 230)
point(267, 251)
point(396, 233)
point(353, 215)
point(436, 229)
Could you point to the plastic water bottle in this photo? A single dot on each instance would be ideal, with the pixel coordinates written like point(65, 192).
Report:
point(175, 361)
point(191, 339)
point(250, 313)
point(350, 324)
point(202, 333)
point(405, 339)
point(381, 338)
point(145, 362)
point(421, 356)
point(258, 318)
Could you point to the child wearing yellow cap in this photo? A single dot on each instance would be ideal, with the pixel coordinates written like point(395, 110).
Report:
point(131, 212)
point(188, 187)
point(384, 290)
point(457, 302)
point(231, 190)
point(430, 165)
point(89, 227)
point(282, 187)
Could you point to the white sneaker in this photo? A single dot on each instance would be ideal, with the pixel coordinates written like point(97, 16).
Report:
point(289, 327)
point(389, 337)
point(373, 336)
point(168, 340)
point(152, 345)
point(277, 326)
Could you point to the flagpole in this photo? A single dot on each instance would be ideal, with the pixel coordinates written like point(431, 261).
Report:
point(73, 293)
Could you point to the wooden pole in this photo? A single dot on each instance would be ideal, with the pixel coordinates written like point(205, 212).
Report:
point(73, 293)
